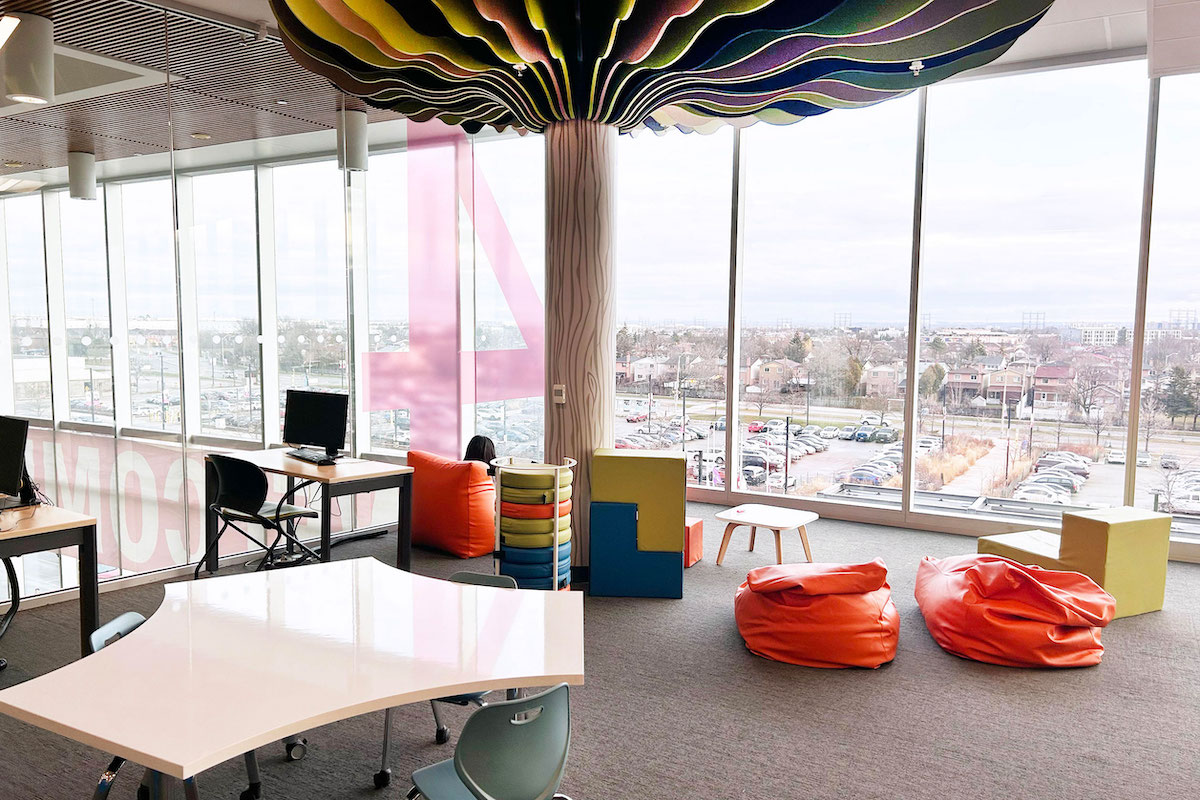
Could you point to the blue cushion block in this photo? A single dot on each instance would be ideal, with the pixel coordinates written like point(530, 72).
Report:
point(534, 555)
point(618, 568)
point(534, 570)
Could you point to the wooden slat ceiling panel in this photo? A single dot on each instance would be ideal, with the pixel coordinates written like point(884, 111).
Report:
point(224, 85)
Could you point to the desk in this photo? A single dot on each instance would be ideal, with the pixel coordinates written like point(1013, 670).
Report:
point(185, 691)
point(48, 528)
point(349, 476)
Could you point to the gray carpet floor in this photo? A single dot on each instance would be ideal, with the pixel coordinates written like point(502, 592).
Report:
point(675, 707)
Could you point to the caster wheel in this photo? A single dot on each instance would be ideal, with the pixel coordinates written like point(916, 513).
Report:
point(413, 794)
point(443, 735)
point(297, 750)
point(383, 778)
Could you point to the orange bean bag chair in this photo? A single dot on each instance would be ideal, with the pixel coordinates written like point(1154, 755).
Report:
point(990, 608)
point(454, 505)
point(819, 615)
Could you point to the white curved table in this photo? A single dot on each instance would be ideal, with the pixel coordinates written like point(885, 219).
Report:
point(189, 688)
point(773, 518)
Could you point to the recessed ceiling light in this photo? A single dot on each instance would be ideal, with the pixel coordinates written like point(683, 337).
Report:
point(27, 98)
point(201, 136)
point(139, 154)
point(281, 102)
point(13, 164)
point(8, 24)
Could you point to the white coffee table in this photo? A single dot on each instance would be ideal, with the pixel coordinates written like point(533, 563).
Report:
point(772, 518)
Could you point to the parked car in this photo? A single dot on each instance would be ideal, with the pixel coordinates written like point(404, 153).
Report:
point(1076, 480)
point(1051, 479)
point(776, 481)
point(638, 417)
point(810, 430)
point(814, 442)
point(886, 435)
point(1069, 466)
point(1042, 494)
point(625, 444)
point(847, 432)
point(864, 433)
point(1143, 459)
point(1168, 461)
point(756, 427)
point(677, 421)
point(776, 426)
point(829, 432)
point(863, 477)
point(886, 466)
point(720, 423)
point(871, 419)
point(1115, 457)
point(754, 476)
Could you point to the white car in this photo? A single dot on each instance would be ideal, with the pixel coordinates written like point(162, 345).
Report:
point(1143, 459)
point(829, 432)
point(776, 426)
point(1115, 457)
point(871, 419)
point(1042, 494)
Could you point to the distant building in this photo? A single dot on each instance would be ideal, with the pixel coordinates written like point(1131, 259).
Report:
point(881, 381)
point(1099, 335)
point(773, 375)
point(1052, 384)
point(962, 384)
point(1006, 386)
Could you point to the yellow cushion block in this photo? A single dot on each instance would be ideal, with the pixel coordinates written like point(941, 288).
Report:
point(1024, 547)
point(1122, 549)
point(656, 482)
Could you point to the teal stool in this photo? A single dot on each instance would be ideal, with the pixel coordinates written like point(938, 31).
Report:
point(510, 750)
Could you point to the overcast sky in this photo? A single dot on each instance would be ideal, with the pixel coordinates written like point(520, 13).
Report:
point(1033, 199)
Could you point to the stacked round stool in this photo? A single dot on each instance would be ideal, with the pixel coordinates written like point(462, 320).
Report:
point(533, 522)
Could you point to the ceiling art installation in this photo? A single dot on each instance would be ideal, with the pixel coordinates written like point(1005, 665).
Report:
point(690, 64)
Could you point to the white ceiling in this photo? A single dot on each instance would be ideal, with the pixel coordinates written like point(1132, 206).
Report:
point(1070, 27)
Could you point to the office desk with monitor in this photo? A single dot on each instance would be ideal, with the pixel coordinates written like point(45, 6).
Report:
point(33, 529)
point(349, 476)
point(185, 691)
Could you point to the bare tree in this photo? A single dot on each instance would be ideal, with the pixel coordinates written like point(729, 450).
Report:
point(1151, 415)
point(1090, 382)
point(860, 348)
point(1098, 422)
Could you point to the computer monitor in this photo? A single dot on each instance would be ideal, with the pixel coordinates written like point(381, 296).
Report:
point(316, 418)
point(13, 477)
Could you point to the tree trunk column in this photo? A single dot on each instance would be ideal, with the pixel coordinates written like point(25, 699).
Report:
point(580, 320)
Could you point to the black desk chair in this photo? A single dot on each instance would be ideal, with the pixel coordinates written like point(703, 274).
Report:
point(242, 498)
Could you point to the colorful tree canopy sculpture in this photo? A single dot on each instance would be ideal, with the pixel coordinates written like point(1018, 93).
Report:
point(691, 64)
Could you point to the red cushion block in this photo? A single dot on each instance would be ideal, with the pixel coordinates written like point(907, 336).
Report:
point(989, 608)
point(454, 505)
point(693, 540)
point(819, 615)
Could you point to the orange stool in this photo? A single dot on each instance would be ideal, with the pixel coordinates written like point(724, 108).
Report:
point(693, 540)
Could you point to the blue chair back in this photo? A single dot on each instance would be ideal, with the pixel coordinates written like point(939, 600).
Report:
point(484, 579)
point(115, 629)
point(516, 749)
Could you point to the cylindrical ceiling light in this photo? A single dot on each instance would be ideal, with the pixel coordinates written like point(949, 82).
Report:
point(352, 140)
point(81, 175)
point(27, 61)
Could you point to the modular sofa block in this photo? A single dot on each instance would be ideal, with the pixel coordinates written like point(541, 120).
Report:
point(1122, 549)
point(618, 568)
point(693, 541)
point(655, 482)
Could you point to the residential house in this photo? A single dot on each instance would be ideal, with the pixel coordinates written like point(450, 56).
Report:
point(778, 373)
point(1006, 386)
point(962, 385)
point(881, 380)
point(1052, 384)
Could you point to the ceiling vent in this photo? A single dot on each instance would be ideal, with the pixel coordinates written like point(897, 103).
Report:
point(79, 75)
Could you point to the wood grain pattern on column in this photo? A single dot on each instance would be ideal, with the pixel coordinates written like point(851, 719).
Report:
point(580, 318)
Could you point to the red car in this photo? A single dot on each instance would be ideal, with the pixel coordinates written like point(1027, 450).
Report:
point(757, 427)
point(636, 418)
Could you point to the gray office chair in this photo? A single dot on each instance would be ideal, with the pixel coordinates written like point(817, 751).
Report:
point(242, 497)
point(508, 750)
point(442, 735)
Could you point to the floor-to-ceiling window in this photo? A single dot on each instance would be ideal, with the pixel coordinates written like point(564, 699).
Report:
point(225, 244)
point(673, 221)
point(29, 323)
point(1028, 279)
point(1168, 477)
point(824, 303)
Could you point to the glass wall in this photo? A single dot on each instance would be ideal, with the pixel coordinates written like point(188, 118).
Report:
point(1168, 474)
point(1028, 278)
point(824, 296)
point(673, 217)
point(29, 320)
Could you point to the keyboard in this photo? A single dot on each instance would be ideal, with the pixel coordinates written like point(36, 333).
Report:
point(318, 457)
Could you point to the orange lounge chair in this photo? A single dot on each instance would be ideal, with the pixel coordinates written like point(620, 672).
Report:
point(454, 505)
point(992, 609)
point(819, 615)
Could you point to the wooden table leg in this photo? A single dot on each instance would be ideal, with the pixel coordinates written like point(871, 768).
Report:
point(753, 531)
point(804, 541)
point(778, 547)
point(725, 541)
